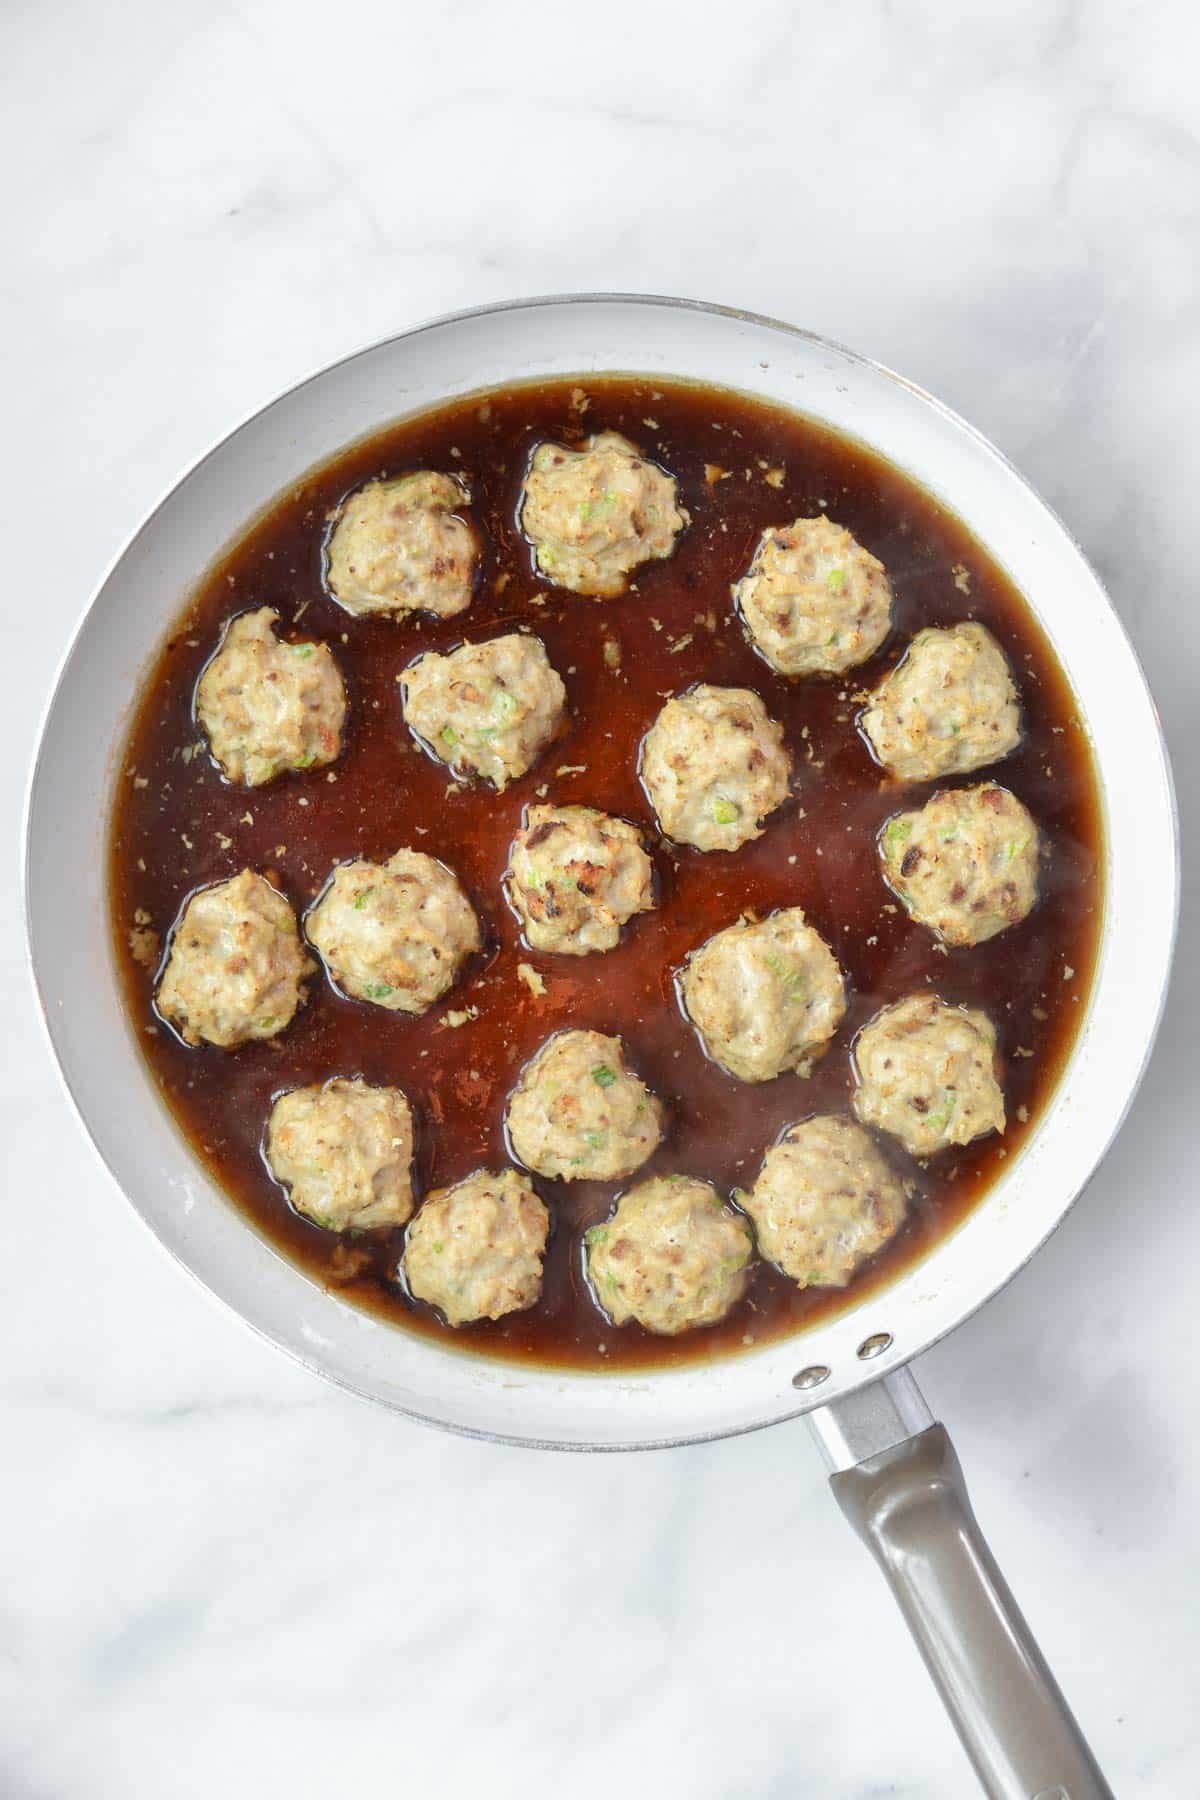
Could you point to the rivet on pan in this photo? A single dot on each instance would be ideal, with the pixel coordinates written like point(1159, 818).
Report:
point(811, 1377)
point(875, 1346)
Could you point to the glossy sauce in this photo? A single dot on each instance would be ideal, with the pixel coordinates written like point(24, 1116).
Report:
point(178, 825)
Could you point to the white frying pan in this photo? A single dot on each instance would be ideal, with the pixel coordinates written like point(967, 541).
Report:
point(896, 1475)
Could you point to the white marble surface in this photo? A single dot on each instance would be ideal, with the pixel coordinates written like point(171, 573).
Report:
point(216, 1575)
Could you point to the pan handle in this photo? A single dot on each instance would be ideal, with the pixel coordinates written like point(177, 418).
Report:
point(898, 1481)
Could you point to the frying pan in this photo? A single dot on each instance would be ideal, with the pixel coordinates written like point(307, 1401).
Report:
point(894, 1470)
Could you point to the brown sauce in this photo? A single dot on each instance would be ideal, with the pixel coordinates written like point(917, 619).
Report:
point(177, 825)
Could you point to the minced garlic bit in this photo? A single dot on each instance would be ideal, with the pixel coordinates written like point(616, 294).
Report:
point(962, 579)
point(1068, 972)
point(572, 769)
point(532, 979)
point(463, 1016)
point(774, 478)
point(713, 472)
point(680, 643)
point(143, 943)
point(612, 653)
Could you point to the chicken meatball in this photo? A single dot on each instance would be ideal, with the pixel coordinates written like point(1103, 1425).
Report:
point(575, 877)
point(394, 933)
point(266, 706)
point(237, 969)
point(824, 1201)
point(486, 709)
point(965, 864)
point(402, 546)
point(673, 1256)
point(475, 1249)
point(714, 765)
point(813, 600)
point(594, 514)
point(949, 706)
point(764, 996)
point(580, 1113)
point(344, 1151)
point(927, 1073)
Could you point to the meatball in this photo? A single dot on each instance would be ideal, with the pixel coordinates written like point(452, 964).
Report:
point(237, 969)
point(486, 709)
point(765, 996)
point(673, 1256)
point(345, 1152)
point(475, 1249)
point(266, 706)
point(948, 706)
point(813, 600)
point(714, 765)
point(576, 876)
point(401, 546)
point(579, 1113)
point(594, 514)
point(965, 864)
point(927, 1072)
point(395, 933)
point(824, 1201)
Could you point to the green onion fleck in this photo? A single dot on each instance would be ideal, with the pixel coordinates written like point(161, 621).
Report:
point(898, 830)
point(724, 812)
point(597, 1235)
point(377, 990)
point(835, 581)
point(603, 1075)
point(792, 979)
point(449, 735)
point(360, 900)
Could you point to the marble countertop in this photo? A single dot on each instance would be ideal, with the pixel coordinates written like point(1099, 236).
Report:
point(220, 1576)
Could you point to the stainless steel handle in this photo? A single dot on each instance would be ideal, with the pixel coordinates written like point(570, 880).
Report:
point(897, 1479)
